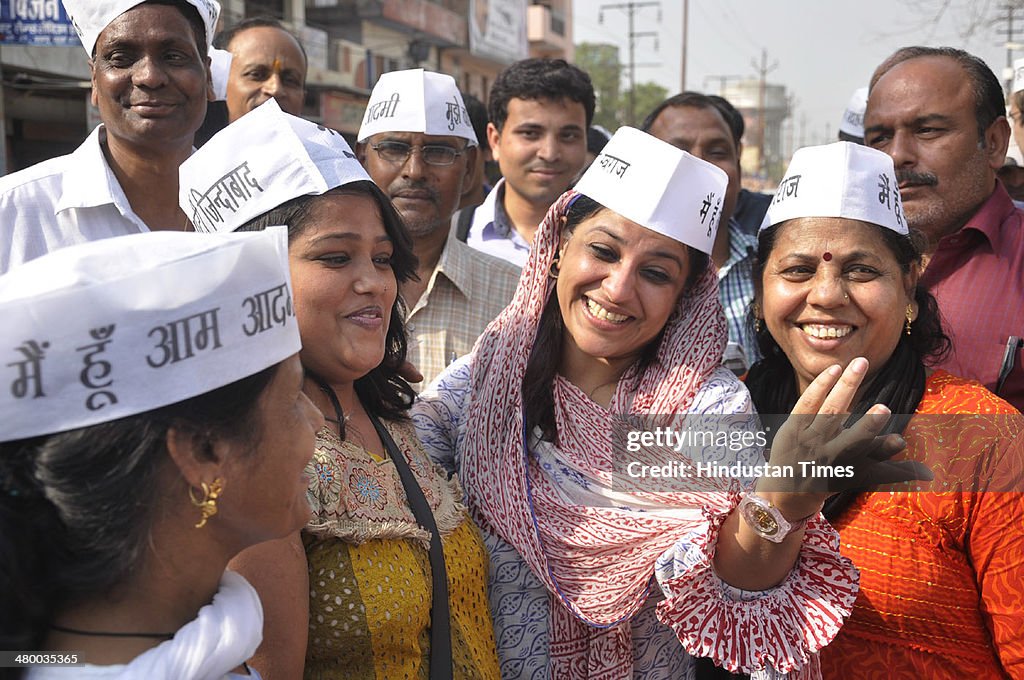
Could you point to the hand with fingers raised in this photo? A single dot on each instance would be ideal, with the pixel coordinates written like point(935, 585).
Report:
point(825, 455)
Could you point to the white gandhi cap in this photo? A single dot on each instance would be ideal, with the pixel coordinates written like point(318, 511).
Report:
point(263, 159)
point(121, 326)
point(417, 101)
point(90, 17)
point(853, 117)
point(658, 186)
point(839, 180)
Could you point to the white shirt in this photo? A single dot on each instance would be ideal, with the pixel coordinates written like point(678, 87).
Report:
point(491, 231)
point(62, 202)
point(223, 636)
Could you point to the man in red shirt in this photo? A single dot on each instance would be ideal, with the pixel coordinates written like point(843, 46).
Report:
point(939, 113)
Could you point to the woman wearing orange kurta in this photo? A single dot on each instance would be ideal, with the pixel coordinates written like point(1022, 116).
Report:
point(942, 570)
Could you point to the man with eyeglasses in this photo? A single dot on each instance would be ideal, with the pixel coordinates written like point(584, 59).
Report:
point(417, 143)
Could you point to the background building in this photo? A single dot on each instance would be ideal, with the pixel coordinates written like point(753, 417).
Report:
point(763, 157)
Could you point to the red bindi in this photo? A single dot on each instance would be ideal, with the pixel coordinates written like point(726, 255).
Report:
point(827, 256)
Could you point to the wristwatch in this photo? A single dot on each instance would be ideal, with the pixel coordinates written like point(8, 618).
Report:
point(766, 520)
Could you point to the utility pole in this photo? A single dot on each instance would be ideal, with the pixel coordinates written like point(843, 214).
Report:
point(631, 8)
point(686, 40)
point(762, 73)
point(1010, 35)
point(791, 104)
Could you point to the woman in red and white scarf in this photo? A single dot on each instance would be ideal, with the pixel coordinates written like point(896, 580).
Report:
point(617, 319)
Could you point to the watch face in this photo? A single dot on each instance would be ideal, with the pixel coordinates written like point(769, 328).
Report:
point(764, 521)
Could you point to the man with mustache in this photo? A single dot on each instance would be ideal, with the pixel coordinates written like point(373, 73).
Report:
point(938, 112)
point(417, 143)
point(540, 110)
point(150, 82)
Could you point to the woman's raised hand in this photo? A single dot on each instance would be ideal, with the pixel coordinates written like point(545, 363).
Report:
point(825, 457)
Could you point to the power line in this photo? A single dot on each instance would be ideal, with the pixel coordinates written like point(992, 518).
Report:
point(1010, 35)
point(631, 9)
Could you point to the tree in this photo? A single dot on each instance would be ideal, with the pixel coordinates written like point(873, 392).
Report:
point(648, 96)
point(601, 62)
point(970, 16)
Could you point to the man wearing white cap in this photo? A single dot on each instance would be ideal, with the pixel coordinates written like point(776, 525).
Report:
point(151, 82)
point(938, 112)
point(851, 127)
point(418, 145)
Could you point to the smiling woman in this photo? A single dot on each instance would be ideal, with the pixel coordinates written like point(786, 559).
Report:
point(136, 470)
point(615, 322)
point(838, 279)
point(388, 577)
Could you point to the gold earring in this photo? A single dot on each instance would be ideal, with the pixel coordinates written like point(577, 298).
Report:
point(553, 269)
point(208, 505)
point(910, 317)
point(757, 317)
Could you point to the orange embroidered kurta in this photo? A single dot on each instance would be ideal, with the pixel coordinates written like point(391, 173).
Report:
point(941, 573)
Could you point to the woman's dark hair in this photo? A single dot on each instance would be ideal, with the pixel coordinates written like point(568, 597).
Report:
point(382, 391)
point(899, 384)
point(77, 507)
point(538, 380)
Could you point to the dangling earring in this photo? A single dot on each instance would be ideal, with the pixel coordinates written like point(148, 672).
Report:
point(208, 505)
point(910, 317)
point(757, 318)
point(554, 268)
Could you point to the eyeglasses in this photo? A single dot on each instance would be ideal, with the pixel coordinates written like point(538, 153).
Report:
point(399, 152)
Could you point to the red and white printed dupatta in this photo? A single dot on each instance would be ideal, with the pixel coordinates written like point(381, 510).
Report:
point(596, 562)
point(602, 560)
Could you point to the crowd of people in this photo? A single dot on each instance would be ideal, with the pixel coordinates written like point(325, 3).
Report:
point(281, 407)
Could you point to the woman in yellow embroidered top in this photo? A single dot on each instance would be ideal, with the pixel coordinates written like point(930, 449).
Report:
point(365, 567)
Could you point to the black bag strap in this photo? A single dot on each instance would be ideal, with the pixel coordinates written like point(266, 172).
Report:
point(440, 617)
point(465, 221)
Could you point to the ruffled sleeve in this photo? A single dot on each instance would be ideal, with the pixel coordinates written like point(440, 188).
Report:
point(439, 411)
point(782, 627)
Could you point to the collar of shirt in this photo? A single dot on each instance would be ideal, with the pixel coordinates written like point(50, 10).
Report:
point(454, 265)
point(989, 219)
point(88, 180)
point(500, 226)
point(742, 246)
